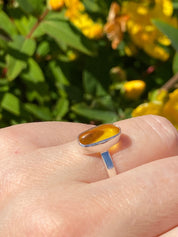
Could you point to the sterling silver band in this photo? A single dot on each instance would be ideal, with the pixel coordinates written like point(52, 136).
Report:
point(90, 142)
point(108, 163)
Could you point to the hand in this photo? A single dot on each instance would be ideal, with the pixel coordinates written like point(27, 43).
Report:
point(48, 188)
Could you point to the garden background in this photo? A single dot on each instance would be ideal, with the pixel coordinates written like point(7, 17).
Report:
point(91, 61)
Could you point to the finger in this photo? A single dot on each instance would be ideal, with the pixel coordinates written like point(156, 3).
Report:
point(171, 233)
point(26, 137)
point(135, 148)
point(140, 202)
point(144, 139)
point(69, 162)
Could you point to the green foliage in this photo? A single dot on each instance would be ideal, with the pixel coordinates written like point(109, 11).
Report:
point(11, 103)
point(175, 63)
point(31, 6)
point(50, 71)
point(168, 30)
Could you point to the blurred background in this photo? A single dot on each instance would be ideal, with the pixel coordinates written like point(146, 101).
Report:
point(90, 61)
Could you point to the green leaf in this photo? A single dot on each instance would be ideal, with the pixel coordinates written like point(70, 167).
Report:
point(170, 31)
point(43, 49)
point(3, 42)
point(92, 85)
point(92, 6)
point(39, 32)
point(11, 103)
point(94, 114)
point(38, 92)
point(15, 66)
point(60, 79)
point(33, 72)
point(19, 50)
point(4, 85)
point(58, 73)
point(56, 15)
point(40, 112)
point(23, 45)
point(105, 102)
point(175, 5)
point(24, 23)
point(97, 6)
point(6, 24)
point(175, 63)
point(65, 32)
point(61, 108)
point(31, 6)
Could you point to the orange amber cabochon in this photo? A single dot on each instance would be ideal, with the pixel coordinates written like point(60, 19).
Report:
point(98, 134)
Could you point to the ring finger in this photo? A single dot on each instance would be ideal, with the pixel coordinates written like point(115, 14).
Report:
point(143, 140)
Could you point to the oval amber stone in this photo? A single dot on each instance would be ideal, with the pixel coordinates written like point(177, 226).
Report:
point(98, 134)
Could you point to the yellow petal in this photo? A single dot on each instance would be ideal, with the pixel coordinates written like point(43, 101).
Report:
point(56, 4)
point(148, 108)
point(142, 10)
point(164, 40)
point(170, 109)
point(167, 8)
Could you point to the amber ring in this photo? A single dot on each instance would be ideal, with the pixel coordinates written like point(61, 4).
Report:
point(100, 139)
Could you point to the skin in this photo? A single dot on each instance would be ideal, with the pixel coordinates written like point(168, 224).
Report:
point(49, 188)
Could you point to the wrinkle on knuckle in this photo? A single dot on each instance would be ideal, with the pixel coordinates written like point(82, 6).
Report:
point(165, 131)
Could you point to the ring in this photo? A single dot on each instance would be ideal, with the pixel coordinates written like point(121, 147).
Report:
point(100, 139)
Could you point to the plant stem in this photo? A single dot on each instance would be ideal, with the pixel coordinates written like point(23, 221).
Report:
point(170, 83)
point(40, 19)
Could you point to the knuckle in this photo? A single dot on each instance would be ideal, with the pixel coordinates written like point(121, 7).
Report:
point(44, 222)
point(35, 218)
point(48, 217)
point(165, 130)
point(41, 223)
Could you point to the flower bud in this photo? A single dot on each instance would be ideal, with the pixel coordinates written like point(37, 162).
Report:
point(134, 89)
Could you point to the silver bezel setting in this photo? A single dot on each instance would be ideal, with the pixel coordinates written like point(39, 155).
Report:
point(102, 145)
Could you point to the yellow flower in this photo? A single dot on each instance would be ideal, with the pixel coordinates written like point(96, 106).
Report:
point(56, 4)
point(162, 96)
point(170, 110)
point(74, 5)
point(167, 7)
point(164, 105)
point(143, 33)
point(77, 15)
point(134, 89)
point(95, 31)
point(164, 40)
point(75, 12)
point(148, 108)
point(156, 51)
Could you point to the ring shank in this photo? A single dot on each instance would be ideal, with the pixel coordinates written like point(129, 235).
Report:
point(108, 163)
